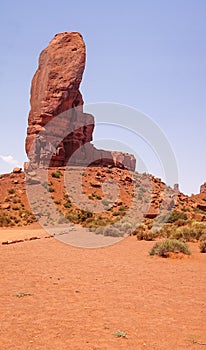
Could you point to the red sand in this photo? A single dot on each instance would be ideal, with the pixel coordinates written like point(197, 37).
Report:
point(80, 297)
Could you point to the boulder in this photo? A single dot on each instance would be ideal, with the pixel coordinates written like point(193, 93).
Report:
point(17, 170)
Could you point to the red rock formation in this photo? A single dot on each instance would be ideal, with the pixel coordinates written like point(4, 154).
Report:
point(58, 130)
point(203, 188)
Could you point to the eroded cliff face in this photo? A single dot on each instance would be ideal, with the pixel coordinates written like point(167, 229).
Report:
point(58, 130)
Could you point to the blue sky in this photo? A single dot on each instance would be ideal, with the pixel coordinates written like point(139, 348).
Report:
point(150, 55)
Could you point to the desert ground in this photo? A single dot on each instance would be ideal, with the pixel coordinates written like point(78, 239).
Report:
point(56, 296)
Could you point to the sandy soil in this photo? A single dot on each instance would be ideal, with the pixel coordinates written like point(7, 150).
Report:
point(78, 297)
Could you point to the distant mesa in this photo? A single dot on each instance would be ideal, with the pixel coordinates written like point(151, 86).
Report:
point(58, 130)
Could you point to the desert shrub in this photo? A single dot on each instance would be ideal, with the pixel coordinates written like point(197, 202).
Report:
point(175, 216)
point(120, 211)
point(83, 215)
point(139, 229)
point(67, 204)
point(5, 219)
point(91, 196)
point(98, 197)
point(149, 223)
point(56, 174)
point(66, 196)
point(116, 213)
point(100, 230)
point(199, 228)
point(97, 222)
point(51, 189)
point(11, 191)
point(190, 234)
point(57, 202)
point(180, 222)
point(142, 233)
point(120, 334)
point(125, 227)
point(15, 207)
point(16, 220)
point(109, 171)
point(202, 244)
point(72, 216)
point(169, 245)
point(45, 185)
point(112, 231)
point(185, 209)
point(62, 220)
point(146, 236)
point(105, 202)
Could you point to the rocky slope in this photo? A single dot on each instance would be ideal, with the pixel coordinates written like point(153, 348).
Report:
point(95, 197)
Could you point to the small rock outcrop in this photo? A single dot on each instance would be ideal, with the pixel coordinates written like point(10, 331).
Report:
point(203, 188)
point(58, 129)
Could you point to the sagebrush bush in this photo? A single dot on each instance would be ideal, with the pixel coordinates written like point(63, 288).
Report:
point(187, 234)
point(100, 230)
point(113, 232)
point(169, 245)
point(143, 233)
point(175, 216)
point(167, 231)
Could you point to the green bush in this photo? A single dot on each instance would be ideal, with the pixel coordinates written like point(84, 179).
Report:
point(67, 204)
point(169, 245)
point(56, 174)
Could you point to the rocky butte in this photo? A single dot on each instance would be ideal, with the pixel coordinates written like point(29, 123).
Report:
point(59, 132)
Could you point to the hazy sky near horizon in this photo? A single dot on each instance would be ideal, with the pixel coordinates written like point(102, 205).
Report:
point(149, 55)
